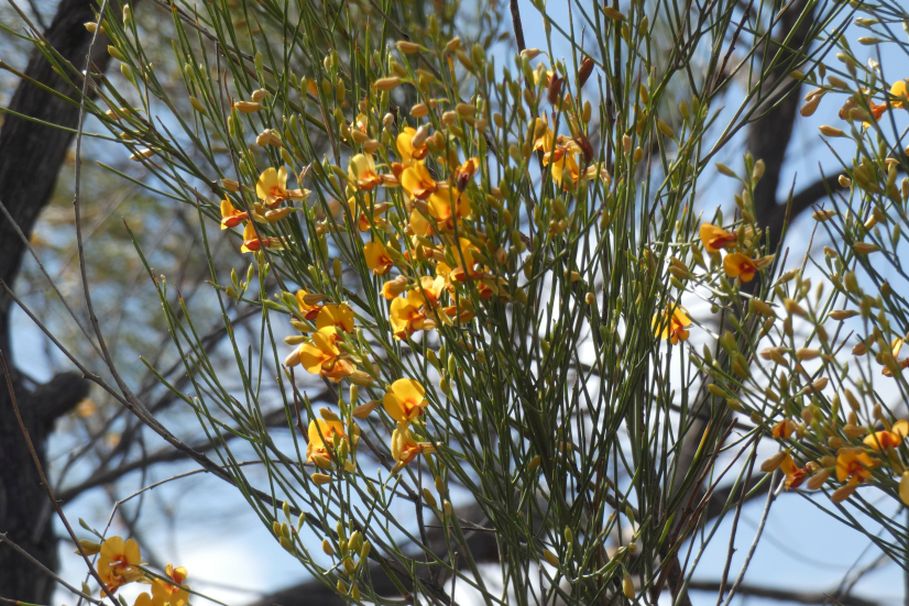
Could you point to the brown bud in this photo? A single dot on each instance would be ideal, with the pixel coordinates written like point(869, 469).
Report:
point(585, 70)
point(584, 143)
point(555, 89)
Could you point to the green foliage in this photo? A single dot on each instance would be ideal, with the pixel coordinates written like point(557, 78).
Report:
point(514, 233)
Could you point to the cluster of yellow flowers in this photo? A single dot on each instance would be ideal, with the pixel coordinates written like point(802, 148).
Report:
point(673, 322)
point(273, 195)
point(854, 452)
point(410, 194)
point(849, 451)
point(431, 229)
point(736, 264)
point(120, 562)
point(330, 442)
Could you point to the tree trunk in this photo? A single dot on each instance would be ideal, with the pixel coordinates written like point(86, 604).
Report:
point(31, 155)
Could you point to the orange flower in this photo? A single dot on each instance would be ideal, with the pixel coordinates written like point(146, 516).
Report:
point(367, 213)
point(543, 136)
point(272, 187)
point(252, 242)
point(714, 237)
point(879, 440)
point(322, 437)
point(409, 151)
point(416, 181)
point(738, 265)
point(405, 400)
point(465, 171)
point(672, 324)
point(322, 356)
point(795, 475)
point(308, 304)
point(377, 258)
point(230, 216)
point(431, 289)
point(465, 262)
point(394, 287)
point(403, 446)
point(853, 464)
point(118, 563)
point(166, 592)
point(564, 161)
point(447, 206)
point(340, 316)
point(783, 429)
point(899, 97)
point(362, 172)
point(407, 315)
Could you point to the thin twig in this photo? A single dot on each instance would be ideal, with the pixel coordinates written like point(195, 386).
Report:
point(4, 539)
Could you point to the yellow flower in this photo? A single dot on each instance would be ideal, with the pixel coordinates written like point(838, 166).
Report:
point(272, 187)
point(308, 304)
point(853, 464)
point(783, 429)
point(900, 93)
point(406, 148)
point(403, 446)
point(377, 258)
point(407, 315)
point(738, 265)
point(340, 316)
point(564, 161)
point(358, 210)
point(465, 172)
point(904, 488)
point(252, 242)
point(362, 172)
point(672, 324)
point(419, 224)
point(416, 181)
point(714, 237)
point(118, 563)
point(880, 440)
point(321, 355)
point(322, 436)
point(464, 257)
point(431, 289)
point(164, 592)
point(899, 96)
point(543, 135)
point(394, 287)
point(447, 206)
point(405, 400)
point(230, 216)
point(795, 475)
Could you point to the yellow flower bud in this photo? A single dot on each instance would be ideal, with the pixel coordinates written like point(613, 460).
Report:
point(904, 488)
point(320, 478)
point(247, 107)
point(628, 586)
point(831, 131)
point(407, 47)
point(386, 84)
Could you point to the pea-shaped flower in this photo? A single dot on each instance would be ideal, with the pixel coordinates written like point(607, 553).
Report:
point(405, 400)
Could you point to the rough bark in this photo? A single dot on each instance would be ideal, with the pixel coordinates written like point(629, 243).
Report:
point(31, 155)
